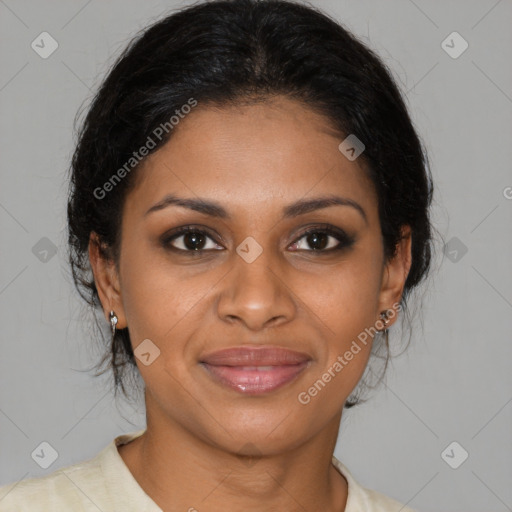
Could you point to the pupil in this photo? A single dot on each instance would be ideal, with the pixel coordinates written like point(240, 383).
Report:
point(194, 238)
point(313, 240)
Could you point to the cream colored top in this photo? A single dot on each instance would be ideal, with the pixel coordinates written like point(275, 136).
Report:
point(104, 483)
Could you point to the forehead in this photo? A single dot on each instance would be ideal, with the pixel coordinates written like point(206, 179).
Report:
point(252, 155)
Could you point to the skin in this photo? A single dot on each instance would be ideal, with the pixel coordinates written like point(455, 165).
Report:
point(254, 160)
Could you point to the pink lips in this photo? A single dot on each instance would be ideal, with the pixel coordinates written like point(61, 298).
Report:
point(255, 370)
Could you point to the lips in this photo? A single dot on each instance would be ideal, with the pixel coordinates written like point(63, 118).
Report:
point(255, 370)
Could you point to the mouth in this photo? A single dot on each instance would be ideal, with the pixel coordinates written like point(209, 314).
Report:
point(255, 370)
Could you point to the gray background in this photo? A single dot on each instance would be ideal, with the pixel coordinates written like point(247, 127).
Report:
point(454, 382)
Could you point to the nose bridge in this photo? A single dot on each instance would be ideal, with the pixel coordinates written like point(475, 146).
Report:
point(255, 291)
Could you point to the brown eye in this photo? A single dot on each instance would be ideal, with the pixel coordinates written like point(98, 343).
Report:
point(320, 239)
point(190, 239)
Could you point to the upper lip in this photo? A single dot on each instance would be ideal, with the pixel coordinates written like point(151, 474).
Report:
point(255, 356)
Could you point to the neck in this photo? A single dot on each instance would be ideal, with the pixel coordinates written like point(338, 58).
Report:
point(180, 471)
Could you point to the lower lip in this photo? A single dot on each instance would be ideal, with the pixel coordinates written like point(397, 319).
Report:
point(254, 381)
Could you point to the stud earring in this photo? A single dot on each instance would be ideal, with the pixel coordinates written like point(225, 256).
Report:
point(113, 323)
point(384, 317)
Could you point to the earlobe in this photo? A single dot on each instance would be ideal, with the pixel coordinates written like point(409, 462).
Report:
point(106, 280)
point(396, 272)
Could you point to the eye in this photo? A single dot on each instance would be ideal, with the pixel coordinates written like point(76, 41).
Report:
point(323, 239)
point(195, 240)
point(192, 240)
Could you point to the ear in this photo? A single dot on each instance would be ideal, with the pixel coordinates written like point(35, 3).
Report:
point(395, 273)
point(107, 281)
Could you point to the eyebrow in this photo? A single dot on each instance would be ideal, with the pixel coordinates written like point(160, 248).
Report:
point(214, 209)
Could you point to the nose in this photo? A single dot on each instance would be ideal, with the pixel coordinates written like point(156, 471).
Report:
point(256, 294)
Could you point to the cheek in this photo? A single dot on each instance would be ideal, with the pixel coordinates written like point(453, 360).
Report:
point(346, 303)
point(163, 302)
point(346, 308)
point(346, 296)
point(153, 299)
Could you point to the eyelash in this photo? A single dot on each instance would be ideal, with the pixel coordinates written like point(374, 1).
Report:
point(344, 240)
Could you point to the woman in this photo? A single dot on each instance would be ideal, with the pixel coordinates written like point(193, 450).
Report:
point(249, 206)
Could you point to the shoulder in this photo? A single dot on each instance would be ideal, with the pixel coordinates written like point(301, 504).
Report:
point(62, 488)
point(102, 482)
point(382, 503)
point(360, 498)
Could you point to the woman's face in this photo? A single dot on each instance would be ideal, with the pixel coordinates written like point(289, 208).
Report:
point(259, 281)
